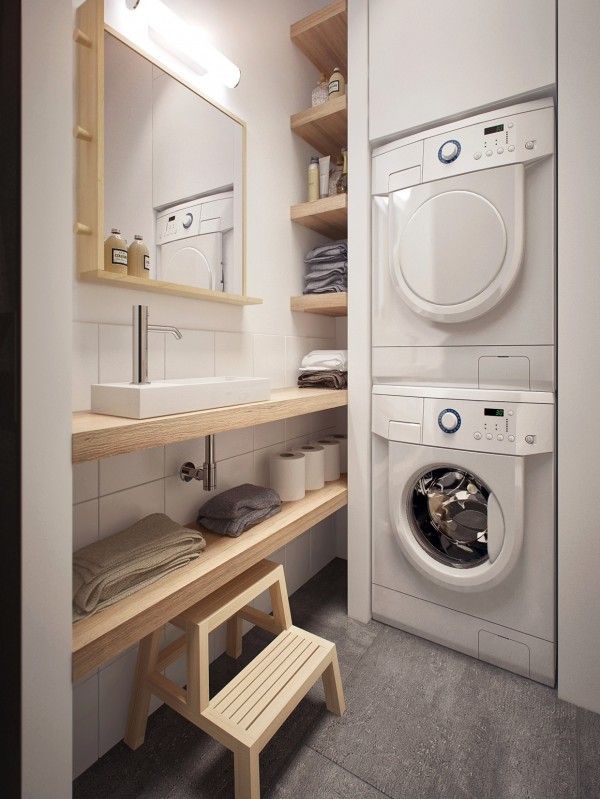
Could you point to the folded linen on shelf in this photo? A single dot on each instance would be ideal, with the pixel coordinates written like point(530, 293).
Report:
point(115, 567)
point(328, 253)
point(239, 508)
point(317, 360)
point(332, 378)
point(327, 268)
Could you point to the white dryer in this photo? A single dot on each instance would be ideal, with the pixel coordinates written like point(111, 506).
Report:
point(464, 521)
point(463, 253)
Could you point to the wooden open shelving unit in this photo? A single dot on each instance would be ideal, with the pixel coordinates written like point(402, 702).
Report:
point(109, 632)
point(97, 435)
point(330, 304)
point(324, 127)
point(164, 287)
point(328, 216)
point(323, 37)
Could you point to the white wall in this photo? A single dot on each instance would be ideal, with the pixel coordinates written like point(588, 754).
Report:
point(266, 340)
point(435, 60)
point(578, 353)
point(47, 263)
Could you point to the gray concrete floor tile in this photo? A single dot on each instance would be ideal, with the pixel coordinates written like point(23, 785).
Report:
point(588, 728)
point(424, 721)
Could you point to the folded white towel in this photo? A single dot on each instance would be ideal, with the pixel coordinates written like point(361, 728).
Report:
point(325, 360)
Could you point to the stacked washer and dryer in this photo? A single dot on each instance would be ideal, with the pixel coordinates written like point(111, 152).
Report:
point(463, 335)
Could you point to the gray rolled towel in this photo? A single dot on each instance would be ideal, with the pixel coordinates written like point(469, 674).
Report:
point(237, 509)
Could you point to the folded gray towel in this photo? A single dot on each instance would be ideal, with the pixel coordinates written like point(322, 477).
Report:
point(332, 379)
point(326, 268)
point(335, 251)
point(119, 565)
point(237, 509)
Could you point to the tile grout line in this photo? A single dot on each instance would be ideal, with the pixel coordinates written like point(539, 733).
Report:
point(352, 774)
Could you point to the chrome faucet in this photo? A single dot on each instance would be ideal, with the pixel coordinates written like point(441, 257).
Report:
point(140, 342)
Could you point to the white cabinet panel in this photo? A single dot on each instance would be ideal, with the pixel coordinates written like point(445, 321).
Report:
point(429, 60)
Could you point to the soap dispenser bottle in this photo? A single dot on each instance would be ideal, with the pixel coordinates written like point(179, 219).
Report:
point(337, 84)
point(138, 258)
point(115, 253)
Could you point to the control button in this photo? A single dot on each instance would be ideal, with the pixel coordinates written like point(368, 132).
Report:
point(488, 153)
point(449, 151)
point(511, 438)
point(511, 124)
point(477, 155)
point(188, 219)
point(529, 145)
point(477, 436)
point(500, 150)
point(530, 439)
point(449, 420)
point(511, 148)
point(489, 436)
point(511, 413)
point(500, 437)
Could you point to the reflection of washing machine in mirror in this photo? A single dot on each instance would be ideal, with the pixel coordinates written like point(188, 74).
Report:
point(463, 253)
point(463, 521)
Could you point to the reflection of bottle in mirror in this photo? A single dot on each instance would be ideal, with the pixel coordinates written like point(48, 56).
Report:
point(138, 263)
point(115, 253)
point(337, 84)
point(342, 184)
point(313, 179)
point(320, 94)
point(336, 173)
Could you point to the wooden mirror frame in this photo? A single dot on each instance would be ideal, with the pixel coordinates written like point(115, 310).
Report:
point(89, 135)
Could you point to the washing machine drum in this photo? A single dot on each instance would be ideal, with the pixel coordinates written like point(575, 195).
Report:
point(458, 516)
point(457, 243)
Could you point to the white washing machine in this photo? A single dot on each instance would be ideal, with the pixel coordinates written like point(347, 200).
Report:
point(463, 253)
point(464, 521)
point(193, 240)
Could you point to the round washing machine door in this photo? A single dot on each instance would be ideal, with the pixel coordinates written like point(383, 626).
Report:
point(195, 261)
point(460, 523)
point(457, 243)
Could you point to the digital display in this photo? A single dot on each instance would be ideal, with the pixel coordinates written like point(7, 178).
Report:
point(493, 129)
point(493, 412)
point(171, 219)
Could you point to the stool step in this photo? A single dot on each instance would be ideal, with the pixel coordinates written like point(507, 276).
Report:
point(256, 702)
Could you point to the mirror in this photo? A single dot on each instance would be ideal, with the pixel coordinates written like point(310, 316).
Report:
point(174, 174)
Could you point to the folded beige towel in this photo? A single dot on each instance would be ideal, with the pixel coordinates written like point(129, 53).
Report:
point(117, 566)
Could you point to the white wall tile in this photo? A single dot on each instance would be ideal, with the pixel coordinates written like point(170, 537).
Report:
point(122, 509)
point(294, 443)
point(324, 419)
point(85, 363)
point(269, 358)
point(295, 349)
point(235, 471)
point(85, 481)
point(182, 452)
point(323, 541)
point(184, 500)
point(85, 523)
point(297, 562)
point(233, 442)
point(85, 724)
point(233, 355)
point(265, 435)
point(131, 469)
point(191, 356)
point(115, 682)
point(116, 354)
point(300, 425)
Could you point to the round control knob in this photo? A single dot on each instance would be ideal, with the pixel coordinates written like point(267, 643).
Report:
point(530, 439)
point(449, 151)
point(187, 220)
point(449, 420)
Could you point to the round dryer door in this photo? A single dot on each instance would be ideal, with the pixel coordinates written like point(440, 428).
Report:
point(457, 243)
point(458, 521)
point(194, 261)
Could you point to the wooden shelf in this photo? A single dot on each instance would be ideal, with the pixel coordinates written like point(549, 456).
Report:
point(98, 436)
point(109, 632)
point(323, 37)
point(163, 287)
point(324, 127)
point(328, 216)
point(330, 304)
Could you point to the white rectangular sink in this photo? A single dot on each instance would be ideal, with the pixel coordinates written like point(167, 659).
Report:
point(164, 397)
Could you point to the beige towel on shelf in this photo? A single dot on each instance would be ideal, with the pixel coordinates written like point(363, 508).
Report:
point(117, 566)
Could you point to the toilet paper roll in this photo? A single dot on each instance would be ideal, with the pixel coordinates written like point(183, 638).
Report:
point(332, 458)
point(314, 456)
point(287, 475)
point(342, 440)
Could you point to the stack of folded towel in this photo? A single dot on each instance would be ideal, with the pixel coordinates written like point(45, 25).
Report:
point(117, 566)
point(324, 369)
point(327, 268)
point(235, 510)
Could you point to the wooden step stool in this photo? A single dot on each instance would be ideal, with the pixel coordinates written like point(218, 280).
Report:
point(250, 709)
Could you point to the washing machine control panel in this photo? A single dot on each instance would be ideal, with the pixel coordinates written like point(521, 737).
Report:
point(502, 427)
